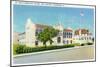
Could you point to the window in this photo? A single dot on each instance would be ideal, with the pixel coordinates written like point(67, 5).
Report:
point(63, 41)
point(58, 39)
point(67, 33)
point(36, 33)
point(71, 41)
point(40, 31)
point(64, 36)
point(67, 42)
point(36, 43)
point(71, 36)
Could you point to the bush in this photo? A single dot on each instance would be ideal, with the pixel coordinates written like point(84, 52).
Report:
point(20, 49)
point(77, 44)
point(71, 45)
point(82, 44)
point(89, 43)
point(23, 49)
point(14, 48)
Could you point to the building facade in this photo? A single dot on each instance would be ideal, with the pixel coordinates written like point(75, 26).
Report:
point(22, 38)
point(32, 30)
point(65, 36)
point(68, 36)
point(15, 37)
point(82, 36)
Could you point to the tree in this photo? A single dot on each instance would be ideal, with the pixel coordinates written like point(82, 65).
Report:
point(47, 34)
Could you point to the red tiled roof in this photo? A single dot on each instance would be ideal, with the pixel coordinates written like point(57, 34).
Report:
point(68, 30)
point(41, 25)
point(83, 31)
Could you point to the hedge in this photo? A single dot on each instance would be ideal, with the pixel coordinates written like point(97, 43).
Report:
point(89, 43)
point(24, 49)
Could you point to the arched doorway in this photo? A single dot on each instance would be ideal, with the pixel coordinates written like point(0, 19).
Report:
point(36, 43)
point(59, 40)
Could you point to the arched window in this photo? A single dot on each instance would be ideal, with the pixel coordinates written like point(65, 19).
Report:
point(36, 43)
point(58, 39)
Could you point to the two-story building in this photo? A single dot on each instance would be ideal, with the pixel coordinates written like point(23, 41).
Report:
point(82, 36)
point(68, 36)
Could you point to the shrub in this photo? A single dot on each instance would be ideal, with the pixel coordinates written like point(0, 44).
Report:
point(89, 43)
point(20, 49)
point(70, 45)
point(14, 48)
point(23, 49)
point(77, 44)
point(82, 44)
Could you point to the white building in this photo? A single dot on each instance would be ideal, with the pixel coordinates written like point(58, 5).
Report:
point(32, 30)
point(65, 36)
point(22, 38)
point(82, 36)
point(68, 36)
point(15, 37)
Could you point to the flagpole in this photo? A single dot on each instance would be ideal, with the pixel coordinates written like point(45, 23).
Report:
point(81, 14)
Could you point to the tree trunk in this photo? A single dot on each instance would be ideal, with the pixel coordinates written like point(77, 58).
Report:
point(44, 43)
point(50, 41)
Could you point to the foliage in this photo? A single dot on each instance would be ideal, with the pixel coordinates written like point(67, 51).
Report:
point(82, 44)
point(47, 34)
point(89, 43)
point(24, 49)
point(76, 44)
point(70, 45)
point(20, 49)
point(14, 48)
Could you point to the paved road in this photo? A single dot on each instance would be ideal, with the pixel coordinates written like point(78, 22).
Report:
point(66, 54)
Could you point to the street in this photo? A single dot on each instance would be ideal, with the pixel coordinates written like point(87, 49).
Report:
point(66, 54)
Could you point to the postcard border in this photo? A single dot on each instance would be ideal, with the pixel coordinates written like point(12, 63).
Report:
point(51, 62)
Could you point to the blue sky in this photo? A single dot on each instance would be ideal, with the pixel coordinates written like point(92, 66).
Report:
point(68, 16)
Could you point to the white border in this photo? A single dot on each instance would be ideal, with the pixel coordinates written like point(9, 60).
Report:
point(48, 4)
point(33, 3)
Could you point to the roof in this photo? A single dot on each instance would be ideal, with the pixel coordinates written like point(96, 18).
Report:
point(83, 31)
point(41, 25)
point(68, 30)
point(22, 33)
